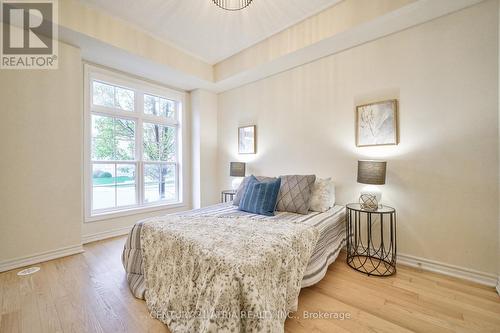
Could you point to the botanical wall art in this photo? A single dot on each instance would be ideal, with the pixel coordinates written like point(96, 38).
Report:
point(246, 140)
point(376, 124)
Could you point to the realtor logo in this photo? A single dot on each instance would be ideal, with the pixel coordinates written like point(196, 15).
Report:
point(29, 34)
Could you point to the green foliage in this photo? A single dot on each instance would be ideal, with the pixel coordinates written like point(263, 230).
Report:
point(159, 106)
point(113, 96)
point(159, 143)
point(114, 139)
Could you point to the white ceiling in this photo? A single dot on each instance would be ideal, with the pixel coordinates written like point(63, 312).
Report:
point(202, 29)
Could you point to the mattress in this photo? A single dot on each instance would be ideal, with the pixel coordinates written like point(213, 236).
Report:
point(331, 226)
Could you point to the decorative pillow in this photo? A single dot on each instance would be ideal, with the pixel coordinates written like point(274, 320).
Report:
point(243, 186)
point(323, 195)
point(260, 197)
point(295, 193)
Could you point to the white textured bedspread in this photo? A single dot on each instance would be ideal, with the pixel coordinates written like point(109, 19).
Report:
point(224, 275)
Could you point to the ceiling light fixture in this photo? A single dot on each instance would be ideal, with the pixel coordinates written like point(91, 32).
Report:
point(232, 5)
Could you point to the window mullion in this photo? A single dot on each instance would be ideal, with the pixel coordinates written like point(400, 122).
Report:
point(115, 142)
point(177, 143)
point(89, 167)
point(116, 186)
point(138, 182)
point(139, 109)
point(176, 168)
point(110, 112)
point(160, 121)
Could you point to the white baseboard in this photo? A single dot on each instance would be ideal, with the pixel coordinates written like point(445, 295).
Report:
point(62, 252)
point(498, 286)
point(8, 265)
point(451, 270)
point(105, 234)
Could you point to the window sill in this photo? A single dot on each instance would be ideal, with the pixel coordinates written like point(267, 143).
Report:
point(133, 211)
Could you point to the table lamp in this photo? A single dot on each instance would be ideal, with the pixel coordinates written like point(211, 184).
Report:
point(372, 173)
point(237, 170)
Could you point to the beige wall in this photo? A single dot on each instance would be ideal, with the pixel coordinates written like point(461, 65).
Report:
point(96, 24)
point(121, 225)
point(498, 259)
point(41, 163)
point(41, 142)
point(442, 177)
point(204, 148)
point(348, 14)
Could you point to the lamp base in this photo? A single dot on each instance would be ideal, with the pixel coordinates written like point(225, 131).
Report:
point(236, 183)
point(370, 198)
point(368, 202)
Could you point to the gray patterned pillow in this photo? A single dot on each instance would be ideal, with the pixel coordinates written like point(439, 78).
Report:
point(295, 193)
point(243, 186)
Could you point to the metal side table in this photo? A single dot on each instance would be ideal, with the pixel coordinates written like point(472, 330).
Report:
point(371, 240)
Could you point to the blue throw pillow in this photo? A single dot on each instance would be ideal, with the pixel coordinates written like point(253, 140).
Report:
point(260, 197)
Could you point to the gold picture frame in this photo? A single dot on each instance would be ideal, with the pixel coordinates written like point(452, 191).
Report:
point(377, 124)
point(246, 139)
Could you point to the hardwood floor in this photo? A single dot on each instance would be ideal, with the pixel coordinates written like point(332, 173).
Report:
point(88, 293)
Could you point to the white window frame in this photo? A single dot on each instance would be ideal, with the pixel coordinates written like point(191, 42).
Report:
point(140, 88)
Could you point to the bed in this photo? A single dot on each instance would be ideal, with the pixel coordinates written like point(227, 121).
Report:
point(307, 243)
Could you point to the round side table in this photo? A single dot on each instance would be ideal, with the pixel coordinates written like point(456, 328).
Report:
point(371, 248)
point(227, 195)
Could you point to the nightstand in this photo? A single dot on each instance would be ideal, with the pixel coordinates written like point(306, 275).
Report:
point(371, 239)
point(227, 195)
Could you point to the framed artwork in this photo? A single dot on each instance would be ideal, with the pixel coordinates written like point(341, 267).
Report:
point(246, 140)
point(377, 124)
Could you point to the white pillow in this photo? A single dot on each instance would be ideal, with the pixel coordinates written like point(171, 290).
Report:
point(323, 195)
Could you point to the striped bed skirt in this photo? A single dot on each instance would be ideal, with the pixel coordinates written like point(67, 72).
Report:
point(331, 225)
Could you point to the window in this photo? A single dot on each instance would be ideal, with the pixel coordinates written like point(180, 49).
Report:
point(133, 154)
